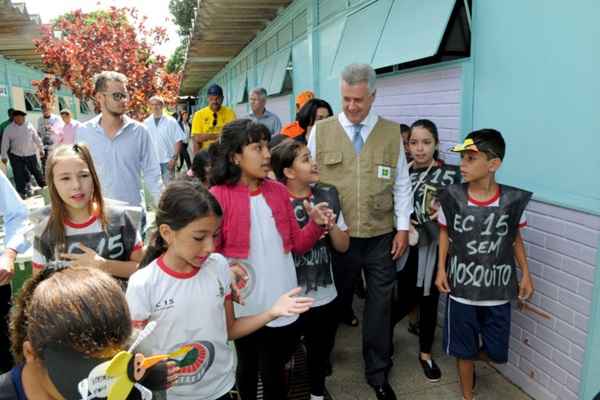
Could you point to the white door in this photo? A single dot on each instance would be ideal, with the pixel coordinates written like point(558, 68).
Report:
point(434, 94)
point(280, 105)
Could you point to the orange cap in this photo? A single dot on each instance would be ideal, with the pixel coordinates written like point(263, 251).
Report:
point(303, 97)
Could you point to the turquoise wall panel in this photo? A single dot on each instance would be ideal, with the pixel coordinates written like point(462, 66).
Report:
point(361, 34)
point(536, 80)
point(414, 30)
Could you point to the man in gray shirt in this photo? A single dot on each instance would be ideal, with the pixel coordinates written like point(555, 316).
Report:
point(258, 101)
point(122, 148)
point(21, 144)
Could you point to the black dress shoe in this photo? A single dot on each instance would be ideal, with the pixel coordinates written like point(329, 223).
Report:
point(431, 370)
point(384, 392)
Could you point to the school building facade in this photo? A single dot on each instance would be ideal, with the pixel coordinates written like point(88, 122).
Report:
point(526, 68)
point(16, 91)
point(20, 64)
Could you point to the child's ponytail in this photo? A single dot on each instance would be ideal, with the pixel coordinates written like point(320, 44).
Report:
point(156, 248)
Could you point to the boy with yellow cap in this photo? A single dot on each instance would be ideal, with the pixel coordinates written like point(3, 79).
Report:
point(480, 240)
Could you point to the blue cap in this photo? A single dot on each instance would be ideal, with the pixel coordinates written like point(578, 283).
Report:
point(215, 90)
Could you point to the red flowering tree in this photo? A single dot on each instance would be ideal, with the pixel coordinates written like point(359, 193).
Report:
point(78, 45)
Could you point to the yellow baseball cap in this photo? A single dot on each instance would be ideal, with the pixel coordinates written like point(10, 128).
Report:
point(468, 144)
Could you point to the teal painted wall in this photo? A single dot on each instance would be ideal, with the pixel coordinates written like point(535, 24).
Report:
point(590, 382)
point(19, 75)
point(536, 80)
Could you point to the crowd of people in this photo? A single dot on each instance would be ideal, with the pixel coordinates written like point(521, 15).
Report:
point(256, 247)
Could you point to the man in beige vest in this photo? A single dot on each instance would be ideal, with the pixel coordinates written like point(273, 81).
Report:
point(363, 156)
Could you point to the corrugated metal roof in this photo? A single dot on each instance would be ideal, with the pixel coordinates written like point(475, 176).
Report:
point(222, 28)
point(18, 29)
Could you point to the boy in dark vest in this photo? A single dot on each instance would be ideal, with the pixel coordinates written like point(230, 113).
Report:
point(480, 240)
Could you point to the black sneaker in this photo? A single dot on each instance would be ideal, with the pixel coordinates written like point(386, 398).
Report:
point(431, 370)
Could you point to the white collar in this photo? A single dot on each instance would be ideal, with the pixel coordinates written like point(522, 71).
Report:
point(368, 122)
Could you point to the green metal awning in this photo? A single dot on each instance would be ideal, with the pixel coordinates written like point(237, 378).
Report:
point(414, 30)
point(239, 88)
point(279, 63)
point(390, 32)
point(361, 30)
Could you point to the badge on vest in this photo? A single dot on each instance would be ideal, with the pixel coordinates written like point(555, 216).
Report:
point(384, 172)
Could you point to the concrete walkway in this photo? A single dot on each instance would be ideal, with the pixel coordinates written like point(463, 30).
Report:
point(406, 377)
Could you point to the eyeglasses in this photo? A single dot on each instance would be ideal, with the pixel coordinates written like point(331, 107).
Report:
point(118, 96)
point(214, 119)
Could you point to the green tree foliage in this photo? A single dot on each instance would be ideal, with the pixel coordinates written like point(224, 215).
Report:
point(183, 13)
point(177, 59)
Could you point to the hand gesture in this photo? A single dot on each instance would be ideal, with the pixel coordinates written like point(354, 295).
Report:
point(319, 213)
point(7, 269)
point(525, 287)
point(441, 281)
point(288, 304)
point(172, 373)
point(89, 258)
point(238, 282)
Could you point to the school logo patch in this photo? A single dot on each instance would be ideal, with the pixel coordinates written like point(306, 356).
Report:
point(196, 363)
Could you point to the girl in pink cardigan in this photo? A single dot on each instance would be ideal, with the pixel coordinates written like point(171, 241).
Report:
point(258, 232)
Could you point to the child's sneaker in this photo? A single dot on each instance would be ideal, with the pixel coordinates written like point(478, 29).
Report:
point(431, 370)
point(413, 327)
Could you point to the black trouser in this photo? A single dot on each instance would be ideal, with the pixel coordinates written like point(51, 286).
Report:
point(265, 351)
point(6, 360)
point(373, 255)
point(184, 156)
point(20, 166)
point(409, 296)
point(319, 326)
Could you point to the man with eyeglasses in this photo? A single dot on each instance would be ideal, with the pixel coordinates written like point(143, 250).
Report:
point(122, 148)
point(209, 121)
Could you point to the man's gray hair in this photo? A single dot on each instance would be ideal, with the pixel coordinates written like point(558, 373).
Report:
point(354, 74)
point(260, 91)
point(101, 79)
point(157, 98)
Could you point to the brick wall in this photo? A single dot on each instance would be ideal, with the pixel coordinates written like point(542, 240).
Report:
point(431, 94)
point(546, 355)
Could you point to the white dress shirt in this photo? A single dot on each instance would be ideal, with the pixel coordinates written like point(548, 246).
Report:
point(15, 215)
point(165, 136)
point(403, 204)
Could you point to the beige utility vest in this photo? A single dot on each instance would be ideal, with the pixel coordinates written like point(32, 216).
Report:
point(365, 182)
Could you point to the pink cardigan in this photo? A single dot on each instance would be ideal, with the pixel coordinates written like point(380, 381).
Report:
point(234, 238)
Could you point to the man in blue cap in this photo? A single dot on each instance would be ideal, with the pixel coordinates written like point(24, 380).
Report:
point(208, 121)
